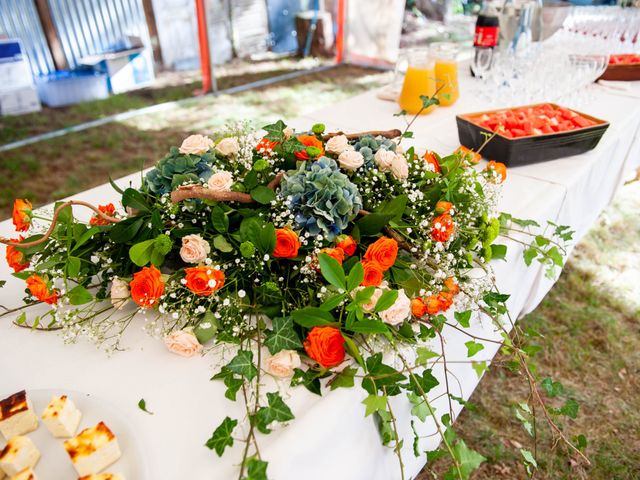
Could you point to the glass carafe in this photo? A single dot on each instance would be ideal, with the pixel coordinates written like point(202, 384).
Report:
point(446, 70)
point(420, 80)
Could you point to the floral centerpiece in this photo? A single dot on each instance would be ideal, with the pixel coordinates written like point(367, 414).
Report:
point(317, 259)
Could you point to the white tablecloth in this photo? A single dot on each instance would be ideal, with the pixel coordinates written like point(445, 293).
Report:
point(330, 438)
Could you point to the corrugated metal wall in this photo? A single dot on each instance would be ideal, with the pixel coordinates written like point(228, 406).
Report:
point(88, 27)
point(19, 19)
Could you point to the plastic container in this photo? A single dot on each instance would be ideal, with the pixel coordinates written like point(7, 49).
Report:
point(67, 87)
point(532, 149)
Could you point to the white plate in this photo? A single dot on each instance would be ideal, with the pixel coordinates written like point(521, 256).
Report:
point(54, 464)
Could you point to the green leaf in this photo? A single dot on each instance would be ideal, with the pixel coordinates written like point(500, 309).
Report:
point(541, 241)
point(528, 457)
point(369, 327)
point(219, 220)
point(22, 318)
point(222, 436)
point(207, 328)
point(386, 300)
point(570, 408)
point(275, 131)
point(126, 230)
point(352, 349)
point(232, 383)
point(275, 411)
point(267, 241)
point(424, 355)
point(309, 378)
point(263, 195)
point(529, 255)
point(374, 403)
point(73, 267)
point(220, 243)
point(555, 256)
point(256, 469)
point(479, 367)
point(242, 364)
point(498, 252)
point(332, 271)
point(373, 223)
point(134, 199)
point(79, 295)
point(85, 237)
point(473, 348)
point(332, 302)
point(142, 405)
point(282, 336)
point(364, 295)
point(140, 253)
point(395, 207)
point(419, 407)
point(115, 187)
point(355, 277)
point(468, 460)
point(422, 384)
point(344, 379)
point(553, 389)
point(463, 318)
point(309, 317)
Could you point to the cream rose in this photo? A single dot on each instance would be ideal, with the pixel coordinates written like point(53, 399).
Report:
point(283, 363)
point(400, 167)
point(228, 146)
point(338, 144)
point(194, 249)
point(288, 133)
point(183, 343)
point(196, 145)
point(350, 160)
point(377, 293)
point(384, 159)
point(399, 311)
point(119, 293)
point(220, 181)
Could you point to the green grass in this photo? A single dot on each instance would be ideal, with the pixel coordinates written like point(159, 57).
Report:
point(591, 326)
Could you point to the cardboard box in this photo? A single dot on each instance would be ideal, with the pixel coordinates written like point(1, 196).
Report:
point(19, 101)
point(15, 71)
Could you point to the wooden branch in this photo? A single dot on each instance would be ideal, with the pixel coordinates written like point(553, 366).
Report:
point(374, 133)
point(196, 191)
point(54, 220)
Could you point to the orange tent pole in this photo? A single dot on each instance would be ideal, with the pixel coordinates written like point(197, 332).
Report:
point(203, 40)
point(340, 18)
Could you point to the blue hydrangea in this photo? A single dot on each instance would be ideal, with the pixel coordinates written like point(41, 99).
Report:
point(176, 169)
point(368, 146)
point(321, 197)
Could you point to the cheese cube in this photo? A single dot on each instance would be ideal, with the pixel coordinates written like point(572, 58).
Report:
point(17, 416)
point(103, 476)
point(2, 475)
point(18, 454)
point(61, 417)
point(26, 474)
point(93, 449)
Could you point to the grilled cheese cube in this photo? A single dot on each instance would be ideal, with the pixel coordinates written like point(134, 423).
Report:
point(103, 476)
point(17, 416)
point(93, 449)
point(61, 417)
point(18, 454)
point(26, 474)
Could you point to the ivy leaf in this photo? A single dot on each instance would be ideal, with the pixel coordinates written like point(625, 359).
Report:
point(419, 407)
point(555, 256)
point(479, 367)
point(332, 271)
point(374, 403)
point(79, 295)
point(242, 364)
point(553, 389)
point(221, 437)
point(282, 336)
point(142, 405)
point(529, 255)
point(275, 131)
point(498, 252)
point(463, 318)
point(528, 457)
point(570, 408)
point(473, 348)
point(424, 355)
point(276, 411)
point(256, 469)
point(232, 382)
point(468, 460)
point(344, 379)
point(420, 384)
point(309, 378)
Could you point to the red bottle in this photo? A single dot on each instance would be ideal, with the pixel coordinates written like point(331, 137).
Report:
point(485, 40)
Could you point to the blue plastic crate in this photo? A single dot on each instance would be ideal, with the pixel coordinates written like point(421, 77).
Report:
point(67, 87)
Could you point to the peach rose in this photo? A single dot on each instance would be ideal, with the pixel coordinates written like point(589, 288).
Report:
point(220, 181)
point(384, 159)
point(288, 133)
point(196, 145)
point(350, 160)
point(383, 251)
point(228, 146)
point(338, 144)
point(119, 293)
point(400, 167)
point(399, 311)
point(147, 287)
point(287, 243)
point(283, 363)
point(183, 343)
point(194, 249)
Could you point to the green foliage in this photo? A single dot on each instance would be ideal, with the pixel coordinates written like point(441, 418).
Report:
point(222, 436)
point(282, 336)
point(242, 364)
point(256, 469)
point(275, 411)
point(332, 271)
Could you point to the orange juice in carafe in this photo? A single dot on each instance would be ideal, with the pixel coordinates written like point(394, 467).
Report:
point(419, 80)
point(446, 72)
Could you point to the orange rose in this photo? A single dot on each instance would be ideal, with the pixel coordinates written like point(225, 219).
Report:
point(383, 251)
point(309, 141)
point(22, 214)
point(287, 243)
point(335, 253)
point(266, 146)
point(147, 287)
point(451, 285)
point(373, 274)
point(347, 244)
point(15, 258)
point(108, 209)
point(446, 300)
point(432, 304)
point(418, 308)
point(499, 168)
point(469, 155)
point(204, 280)
point(443, 206)
point(39, 288)
point(442, 227)
point(325, 345)
point(431, 158)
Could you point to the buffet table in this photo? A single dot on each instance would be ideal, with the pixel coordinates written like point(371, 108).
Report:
point(187, 406)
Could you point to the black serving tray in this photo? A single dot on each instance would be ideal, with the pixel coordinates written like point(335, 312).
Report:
point(533, 149)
